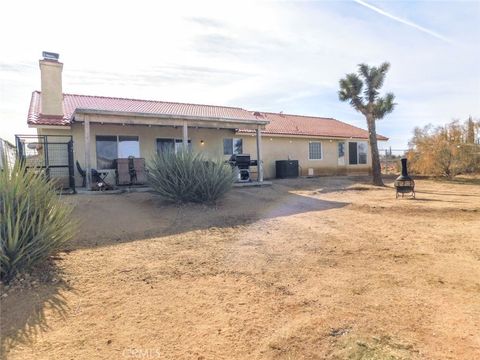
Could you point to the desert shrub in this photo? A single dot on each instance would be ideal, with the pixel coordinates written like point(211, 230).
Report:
point(189, 177)
point(445, 151)
point(34, 223)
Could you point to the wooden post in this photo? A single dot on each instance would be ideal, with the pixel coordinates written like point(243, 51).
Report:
point(88, 167)
point(259, 155)
point(185, 136)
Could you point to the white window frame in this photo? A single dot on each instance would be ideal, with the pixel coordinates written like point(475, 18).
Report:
point(177, 144)
point(321, 150)
point(233, 146)
point(117, 137)
point(366, 153)
point(358, 153)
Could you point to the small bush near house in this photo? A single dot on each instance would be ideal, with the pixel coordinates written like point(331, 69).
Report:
point(189, 177)
point(34, 223)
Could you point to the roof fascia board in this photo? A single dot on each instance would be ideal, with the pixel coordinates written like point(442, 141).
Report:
point(166, 116)
point(46, 126)
point(305, 136)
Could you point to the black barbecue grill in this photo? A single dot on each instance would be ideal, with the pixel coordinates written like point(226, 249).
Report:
point(242, 163)
point(404, 184)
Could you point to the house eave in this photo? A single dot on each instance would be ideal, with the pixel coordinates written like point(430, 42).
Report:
point(46, 126)
point(229, 121)
point(307, 136)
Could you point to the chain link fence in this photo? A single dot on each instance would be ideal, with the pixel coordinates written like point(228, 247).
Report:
point(390, 160)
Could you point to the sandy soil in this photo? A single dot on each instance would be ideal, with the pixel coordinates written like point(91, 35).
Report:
point(326, 268)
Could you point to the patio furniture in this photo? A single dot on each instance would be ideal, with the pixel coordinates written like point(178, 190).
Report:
point(139, 171)
point(82, 173)
point(130, 171)
point(122, 172)
point(98, 178)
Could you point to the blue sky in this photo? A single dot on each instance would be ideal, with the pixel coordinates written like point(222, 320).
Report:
point(265, 56)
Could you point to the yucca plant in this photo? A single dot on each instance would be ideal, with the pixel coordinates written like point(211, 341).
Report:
point(34, 222)
point(189, 177)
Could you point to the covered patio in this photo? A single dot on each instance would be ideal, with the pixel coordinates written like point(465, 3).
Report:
point(157, 123)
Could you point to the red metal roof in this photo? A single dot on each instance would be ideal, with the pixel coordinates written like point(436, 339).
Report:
point(280, 124)
point(72, 102)
point(287, 124)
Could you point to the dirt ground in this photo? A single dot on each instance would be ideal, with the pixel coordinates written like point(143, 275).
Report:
point(325, 268)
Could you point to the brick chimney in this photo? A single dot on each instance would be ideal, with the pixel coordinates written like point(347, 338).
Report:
point(51, 95)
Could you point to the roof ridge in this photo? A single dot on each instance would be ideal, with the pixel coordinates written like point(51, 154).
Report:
point(307, 116)
point(153, 101)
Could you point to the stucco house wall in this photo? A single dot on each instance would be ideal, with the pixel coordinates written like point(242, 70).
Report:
point(273, 147)
point(212, 140)
point(297, 148)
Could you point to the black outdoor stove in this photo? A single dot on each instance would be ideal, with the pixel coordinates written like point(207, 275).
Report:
point(404, 184)
point(241, 163)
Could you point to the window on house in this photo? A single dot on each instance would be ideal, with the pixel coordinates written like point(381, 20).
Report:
point(357, 152)
point(164, 145)
point(179, 145)
point(362, 152)
point(110, 148)
point(232, 146)
point(315, 150)
point(128, 146)
point(341, 149)
point(106, 151)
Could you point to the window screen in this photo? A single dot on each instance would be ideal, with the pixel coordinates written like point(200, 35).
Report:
point(315, 151)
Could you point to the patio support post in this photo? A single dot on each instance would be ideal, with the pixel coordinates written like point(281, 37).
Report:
point(88, 167)
point(185, 136)
point(259, 155)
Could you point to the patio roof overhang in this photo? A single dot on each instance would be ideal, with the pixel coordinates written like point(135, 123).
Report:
point(89, 116)
point(136, 118)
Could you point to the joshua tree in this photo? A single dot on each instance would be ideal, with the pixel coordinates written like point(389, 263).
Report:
point(362, 91)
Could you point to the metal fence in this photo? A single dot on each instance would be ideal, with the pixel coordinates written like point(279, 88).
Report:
point(7, 155)
point(50, 154)
point(390, 160)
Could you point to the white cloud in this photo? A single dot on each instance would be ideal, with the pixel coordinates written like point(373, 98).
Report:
point(403, 21)
point(258, 55)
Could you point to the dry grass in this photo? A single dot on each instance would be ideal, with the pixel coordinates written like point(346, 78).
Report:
point(326, 268)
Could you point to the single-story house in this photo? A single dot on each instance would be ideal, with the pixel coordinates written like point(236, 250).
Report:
point(106, 128)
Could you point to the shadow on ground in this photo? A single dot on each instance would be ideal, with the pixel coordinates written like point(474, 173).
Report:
point(138, 216)
point(26, 314)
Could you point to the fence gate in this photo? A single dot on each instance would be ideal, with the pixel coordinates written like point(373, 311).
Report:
point(51, 154)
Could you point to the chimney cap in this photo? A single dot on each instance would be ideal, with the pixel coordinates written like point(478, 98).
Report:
point(50, 56)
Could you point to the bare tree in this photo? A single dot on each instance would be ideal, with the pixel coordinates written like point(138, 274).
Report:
point(362, 91)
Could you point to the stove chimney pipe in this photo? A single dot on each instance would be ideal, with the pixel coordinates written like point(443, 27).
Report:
point(404, 168)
